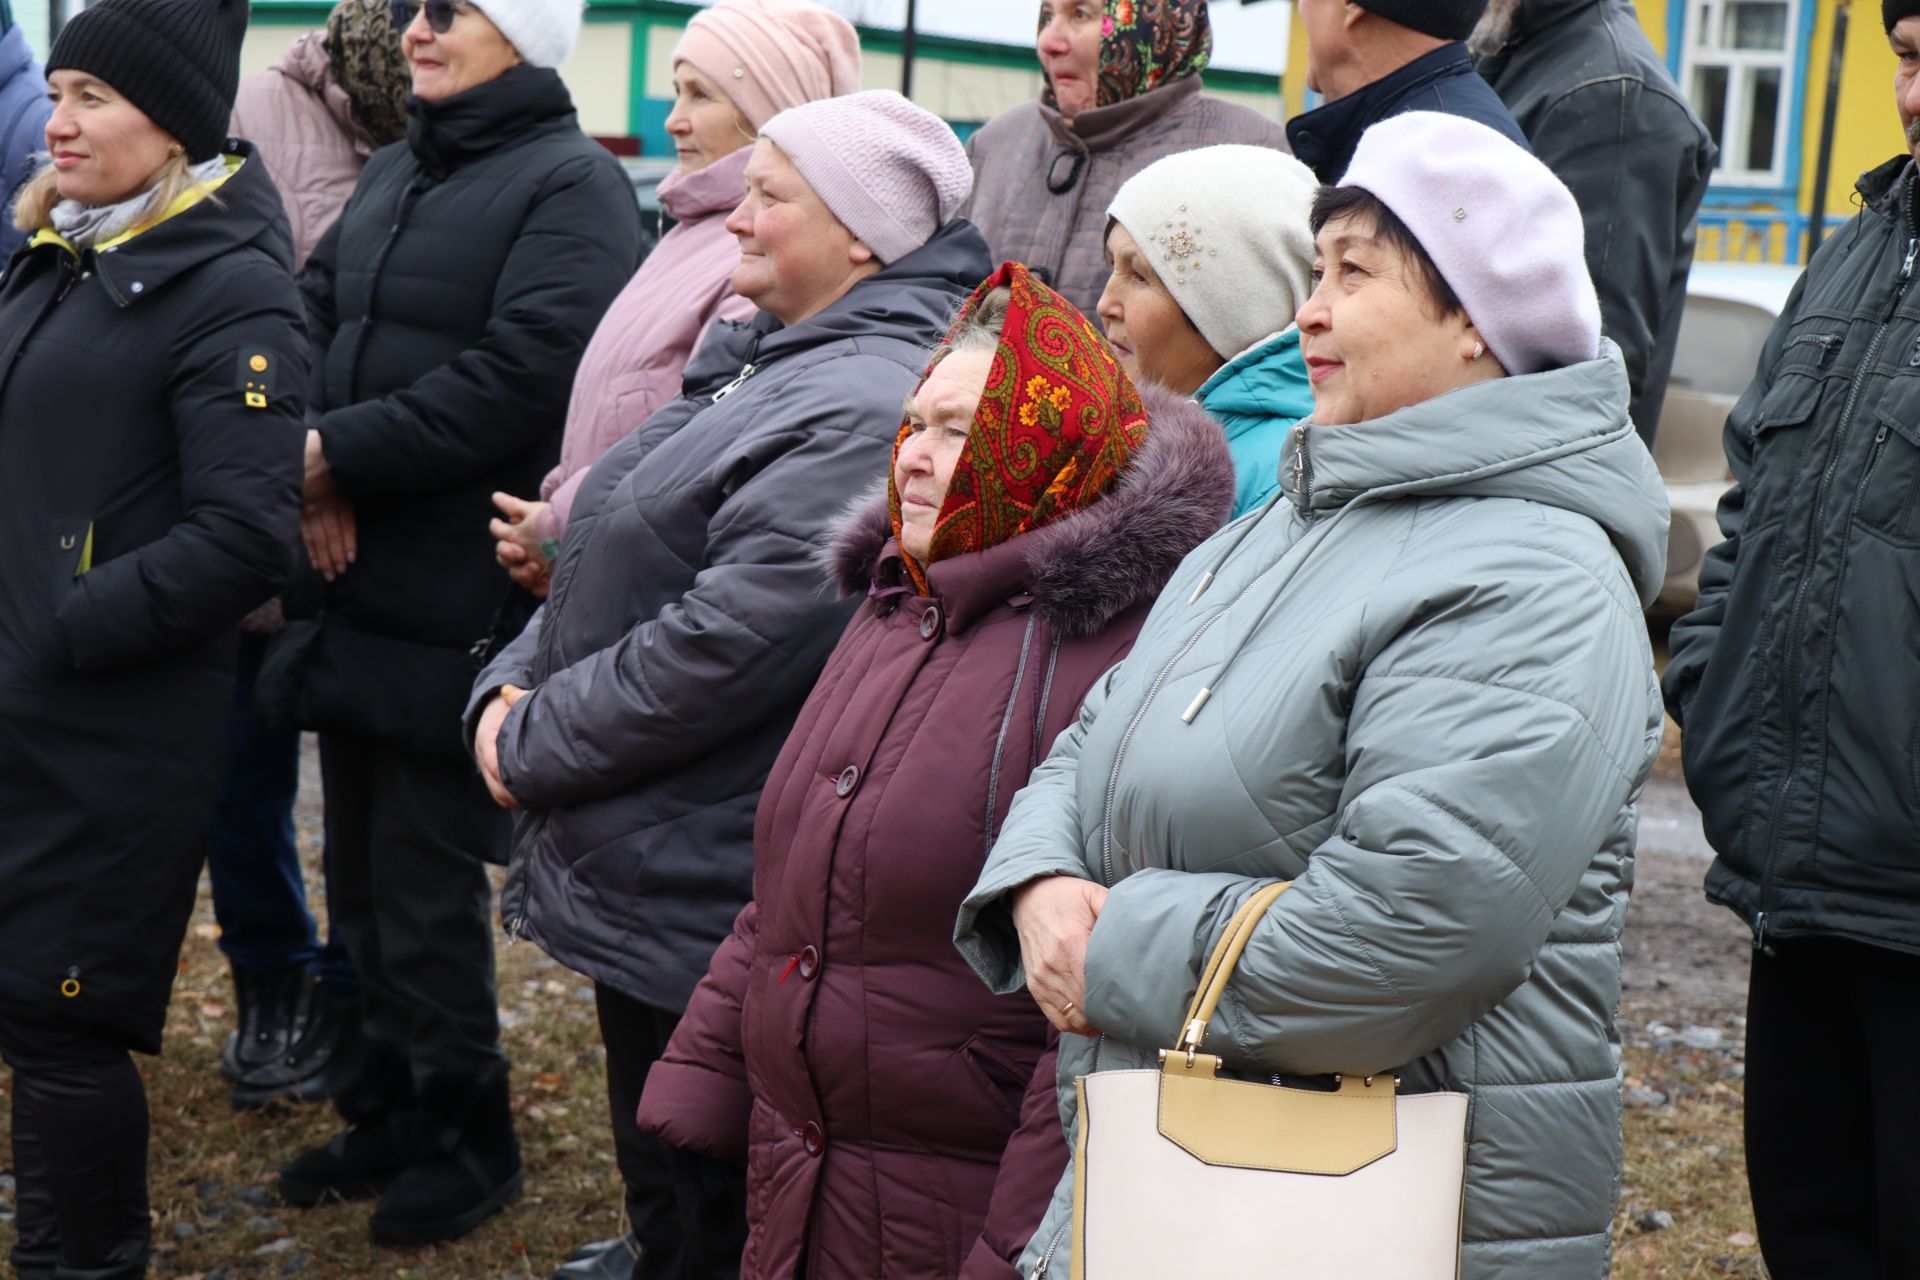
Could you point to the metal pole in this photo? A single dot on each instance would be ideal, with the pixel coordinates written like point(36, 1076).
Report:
point(1823, 170)
point(906, 50)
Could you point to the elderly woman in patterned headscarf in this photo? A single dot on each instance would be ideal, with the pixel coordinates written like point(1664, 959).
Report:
point(325, 105)
point(1121, 90)
point(1037, 502)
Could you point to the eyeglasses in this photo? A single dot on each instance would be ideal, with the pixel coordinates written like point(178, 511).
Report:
point(440, 13)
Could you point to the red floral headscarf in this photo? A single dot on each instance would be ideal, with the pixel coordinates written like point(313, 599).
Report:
point(1146, 45)
point(1057, 425)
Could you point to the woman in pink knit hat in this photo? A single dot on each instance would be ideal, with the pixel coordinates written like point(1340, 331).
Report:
point(739, 64)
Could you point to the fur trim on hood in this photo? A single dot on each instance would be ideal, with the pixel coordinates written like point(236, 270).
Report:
point(1088, 568)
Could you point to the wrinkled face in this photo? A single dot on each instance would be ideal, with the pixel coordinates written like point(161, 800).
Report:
point(939, 415)
point(1905, 38)
point(1148, 331)
point(104, 148)
point(470, 52)
point(1370, 333)
point(1069, 48)
point(704, 124)
point(1328, 43)
point(796, 258)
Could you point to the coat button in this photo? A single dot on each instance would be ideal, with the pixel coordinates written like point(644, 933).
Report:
point(809, 961)
point(930, 622)
point(849, 779)
point(813, 1139)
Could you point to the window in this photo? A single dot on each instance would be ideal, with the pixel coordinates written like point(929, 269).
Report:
point(1738, 69)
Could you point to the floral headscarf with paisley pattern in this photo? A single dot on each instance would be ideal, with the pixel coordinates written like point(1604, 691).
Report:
point(1146, 45)
point(364, 47)
point(1057, 425)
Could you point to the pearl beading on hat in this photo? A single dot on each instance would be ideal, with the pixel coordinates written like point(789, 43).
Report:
point(1180, 242)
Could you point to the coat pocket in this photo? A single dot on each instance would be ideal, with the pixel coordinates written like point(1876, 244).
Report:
point(1002, 1082)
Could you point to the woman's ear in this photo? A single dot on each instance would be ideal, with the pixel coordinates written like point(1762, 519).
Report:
point(858, 253)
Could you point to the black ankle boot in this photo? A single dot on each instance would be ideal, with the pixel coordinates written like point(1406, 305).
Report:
point(272, 1010)
point(467, 1165)
point(382, 1135)
point(320, 1061)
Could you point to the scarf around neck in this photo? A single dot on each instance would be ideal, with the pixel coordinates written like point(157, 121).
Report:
point(85, 225)
point(1057, 425)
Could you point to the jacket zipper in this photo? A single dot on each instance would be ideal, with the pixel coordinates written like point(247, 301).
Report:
point(1046, 1259)
point(1769, 864)
point(746, 371)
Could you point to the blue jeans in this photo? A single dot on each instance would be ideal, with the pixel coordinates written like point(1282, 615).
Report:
point(259, 896)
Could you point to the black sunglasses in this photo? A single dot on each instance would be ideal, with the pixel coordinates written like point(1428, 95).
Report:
point(440, 13)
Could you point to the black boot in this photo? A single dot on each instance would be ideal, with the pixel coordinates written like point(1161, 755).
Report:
point(380, 1139)
point(273, 1008)
point(617, 1259)
point(467, 1165)
point(321, 1061)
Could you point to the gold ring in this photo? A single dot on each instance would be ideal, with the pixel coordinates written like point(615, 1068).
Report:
point(1068, 1008)
point(70, 988)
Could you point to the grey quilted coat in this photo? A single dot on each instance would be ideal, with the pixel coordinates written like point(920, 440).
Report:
point(1432, 707)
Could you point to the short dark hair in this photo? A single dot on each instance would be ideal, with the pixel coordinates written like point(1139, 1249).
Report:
point(1357, 202)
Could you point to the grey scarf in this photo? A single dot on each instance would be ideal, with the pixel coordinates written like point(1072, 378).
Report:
point(85, 225)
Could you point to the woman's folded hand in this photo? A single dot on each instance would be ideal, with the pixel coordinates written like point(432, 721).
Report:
point(1055, 916)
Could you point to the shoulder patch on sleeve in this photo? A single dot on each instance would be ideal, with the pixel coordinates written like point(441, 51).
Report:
point(255, 369)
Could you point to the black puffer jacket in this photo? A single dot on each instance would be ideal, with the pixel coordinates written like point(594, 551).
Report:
point(1794, 677)
point(450, 306)
point(146, 505)
point(688, 621)
point(1603, 112)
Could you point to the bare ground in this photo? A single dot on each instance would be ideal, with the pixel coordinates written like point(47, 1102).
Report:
point(1684, 1209)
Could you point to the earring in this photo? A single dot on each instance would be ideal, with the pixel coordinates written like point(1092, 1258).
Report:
point(1479, 349)
point(176, 150)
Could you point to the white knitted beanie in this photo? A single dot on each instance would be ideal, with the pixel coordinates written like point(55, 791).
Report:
point(543, 32)
point(891, 172)
point(1225, 228)
point(1504, 232)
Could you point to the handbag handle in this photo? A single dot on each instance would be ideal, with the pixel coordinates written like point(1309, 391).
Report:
point(1220, 965)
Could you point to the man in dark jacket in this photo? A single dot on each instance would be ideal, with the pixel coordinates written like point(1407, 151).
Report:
point(1797, 681)
point(1600, 108)
point(1383, 58)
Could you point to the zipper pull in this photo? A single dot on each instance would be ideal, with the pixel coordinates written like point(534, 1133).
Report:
point(746, 370)
point(1913, 247)
point(1760, 932)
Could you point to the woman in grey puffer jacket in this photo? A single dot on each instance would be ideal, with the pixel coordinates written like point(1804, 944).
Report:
point(1418, 685)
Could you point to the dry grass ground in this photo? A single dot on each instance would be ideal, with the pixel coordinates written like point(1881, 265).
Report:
point(212, 1168)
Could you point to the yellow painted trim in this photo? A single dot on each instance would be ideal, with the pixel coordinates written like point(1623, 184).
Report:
point(86, 553)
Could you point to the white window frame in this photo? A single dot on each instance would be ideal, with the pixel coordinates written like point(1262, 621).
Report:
point(1695, 53)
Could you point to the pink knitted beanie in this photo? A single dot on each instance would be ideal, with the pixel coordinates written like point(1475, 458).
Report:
point(1504, 231)
point(768, 55)
point(891, 172)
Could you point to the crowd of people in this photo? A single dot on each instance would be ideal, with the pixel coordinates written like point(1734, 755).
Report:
point(887, 629)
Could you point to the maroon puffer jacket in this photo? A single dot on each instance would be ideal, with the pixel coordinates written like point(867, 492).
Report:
point(899, 1121)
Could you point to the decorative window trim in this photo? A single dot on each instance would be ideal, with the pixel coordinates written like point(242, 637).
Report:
point(1693, 54)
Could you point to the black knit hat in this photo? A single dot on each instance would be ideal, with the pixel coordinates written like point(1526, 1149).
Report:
point(1447, 19)
point(176, 60)
point(1891, 11)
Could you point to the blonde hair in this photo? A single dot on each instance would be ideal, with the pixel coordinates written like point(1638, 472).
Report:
point(33, 209)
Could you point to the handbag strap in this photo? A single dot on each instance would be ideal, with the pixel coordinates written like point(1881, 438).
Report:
point(1220, 965)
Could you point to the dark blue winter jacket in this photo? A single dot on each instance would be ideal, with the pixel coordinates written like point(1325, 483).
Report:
point(23, 124)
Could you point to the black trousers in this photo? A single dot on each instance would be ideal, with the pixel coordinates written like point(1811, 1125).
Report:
point(1833, 1110)
point(79, 1151)
point(688, 1212)
point(406, 837)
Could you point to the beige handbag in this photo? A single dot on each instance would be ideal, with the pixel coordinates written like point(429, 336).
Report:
point(1178, 1172)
